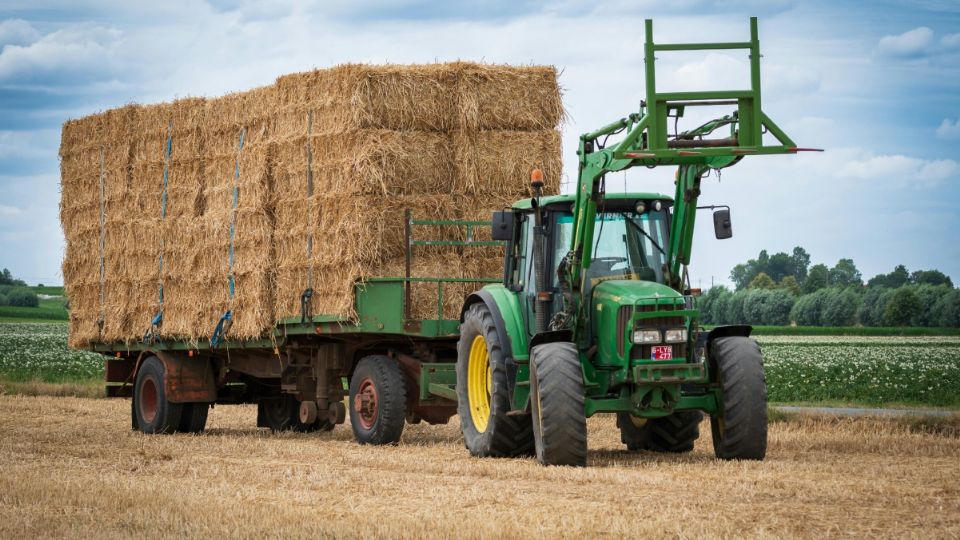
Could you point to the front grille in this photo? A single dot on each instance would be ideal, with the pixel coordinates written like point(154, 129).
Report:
point(643, 352)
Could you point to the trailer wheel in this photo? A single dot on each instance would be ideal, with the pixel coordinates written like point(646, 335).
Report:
point(559, 420)
point(378, 401)
point(152, 412)
point(483, 391)
point(193, 419)
point(283, 414)
point(740, 428)
point(675, 433)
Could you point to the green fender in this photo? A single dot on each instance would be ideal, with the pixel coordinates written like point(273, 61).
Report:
point(506, 309)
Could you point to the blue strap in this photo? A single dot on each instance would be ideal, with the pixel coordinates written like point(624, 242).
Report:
point(236, 196)
point(168, 148)
point(222, 325)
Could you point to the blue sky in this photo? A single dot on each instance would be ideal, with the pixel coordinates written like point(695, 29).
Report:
point(875, 83)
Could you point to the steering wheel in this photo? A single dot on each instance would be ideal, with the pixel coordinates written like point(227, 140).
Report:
point(609, 262)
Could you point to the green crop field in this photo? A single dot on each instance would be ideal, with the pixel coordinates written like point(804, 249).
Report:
point(871, 370)
point(38, 351)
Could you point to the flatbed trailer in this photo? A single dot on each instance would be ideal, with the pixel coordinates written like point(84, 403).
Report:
point(396, 364)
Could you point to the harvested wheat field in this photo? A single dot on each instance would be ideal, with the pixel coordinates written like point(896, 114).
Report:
point(72, 467)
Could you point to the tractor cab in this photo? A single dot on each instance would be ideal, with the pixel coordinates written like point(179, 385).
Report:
point(630, 239)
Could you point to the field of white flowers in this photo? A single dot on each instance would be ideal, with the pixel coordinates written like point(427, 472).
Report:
point(921, 370)
point(867, 369)
point(38, 351)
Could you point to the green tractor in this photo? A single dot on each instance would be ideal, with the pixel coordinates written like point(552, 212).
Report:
point(596, 314)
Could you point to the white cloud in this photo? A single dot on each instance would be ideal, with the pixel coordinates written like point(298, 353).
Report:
point(17, 32)
point(896, 168)
point(949, 129)
point(950, 41)
point(910, 43)
point(78, 49)
point(9, 211)
point(28, 144)
point(789, 80)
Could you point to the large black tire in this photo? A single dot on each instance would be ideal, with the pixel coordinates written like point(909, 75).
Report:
point(502, 435)
point(378, 401)
point(559, 419)
point(152, 412)
point(283, 414)
point(193, 418)
point(740, 429)
point(676, 433)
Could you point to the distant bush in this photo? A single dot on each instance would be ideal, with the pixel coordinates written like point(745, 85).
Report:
point(22, 298)
point(18, 296)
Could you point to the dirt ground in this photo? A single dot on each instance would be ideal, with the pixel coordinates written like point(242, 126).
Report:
point(71, 467)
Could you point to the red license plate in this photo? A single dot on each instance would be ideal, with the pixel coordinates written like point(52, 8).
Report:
point(662, 352)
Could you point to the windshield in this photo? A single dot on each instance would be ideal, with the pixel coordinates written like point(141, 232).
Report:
point(627, 245)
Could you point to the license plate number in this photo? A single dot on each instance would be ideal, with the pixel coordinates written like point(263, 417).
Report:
point(662, 352)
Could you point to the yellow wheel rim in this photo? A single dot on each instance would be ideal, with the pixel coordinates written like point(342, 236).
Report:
point(637, 421)
point(479, 383)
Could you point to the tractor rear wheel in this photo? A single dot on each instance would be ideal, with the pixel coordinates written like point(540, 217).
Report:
point(152, 412)
point(676, 433)
point(740, 427)
point(559, 420)
point(378, 400)
point(193, 418)
point(483, 390)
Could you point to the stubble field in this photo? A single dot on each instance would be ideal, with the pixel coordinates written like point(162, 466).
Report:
point(72, 467)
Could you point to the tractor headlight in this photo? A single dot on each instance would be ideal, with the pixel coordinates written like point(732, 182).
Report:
point(676, 335)
point(646, 336)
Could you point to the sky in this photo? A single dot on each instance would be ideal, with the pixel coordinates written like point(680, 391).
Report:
point(876, 84)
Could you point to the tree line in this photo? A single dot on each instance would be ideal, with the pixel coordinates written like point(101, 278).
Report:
point(783, 289)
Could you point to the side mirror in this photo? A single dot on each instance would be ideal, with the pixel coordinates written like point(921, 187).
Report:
point(721, 224)
point(502, 226)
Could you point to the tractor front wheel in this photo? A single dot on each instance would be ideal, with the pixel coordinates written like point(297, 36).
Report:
point(559, 419)
point(483, 390)
point(740, 427)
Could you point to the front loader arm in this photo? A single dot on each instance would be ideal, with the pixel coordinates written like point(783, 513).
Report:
point(646, 141)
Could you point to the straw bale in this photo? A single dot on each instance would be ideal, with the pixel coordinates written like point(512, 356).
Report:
point(254, 182)
point(96, 130)
point(430, 97)
point(252, 305)
point(228, 114)
point(84, 313)
point(499, 162)
point(499, 97)
point(353, 96)
point(367, 162)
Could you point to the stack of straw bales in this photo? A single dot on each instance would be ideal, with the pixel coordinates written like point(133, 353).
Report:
point(313, 198)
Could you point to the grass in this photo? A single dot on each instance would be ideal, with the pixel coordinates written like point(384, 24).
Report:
point(73, 467)
point(50, 309)
point(51, 291)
